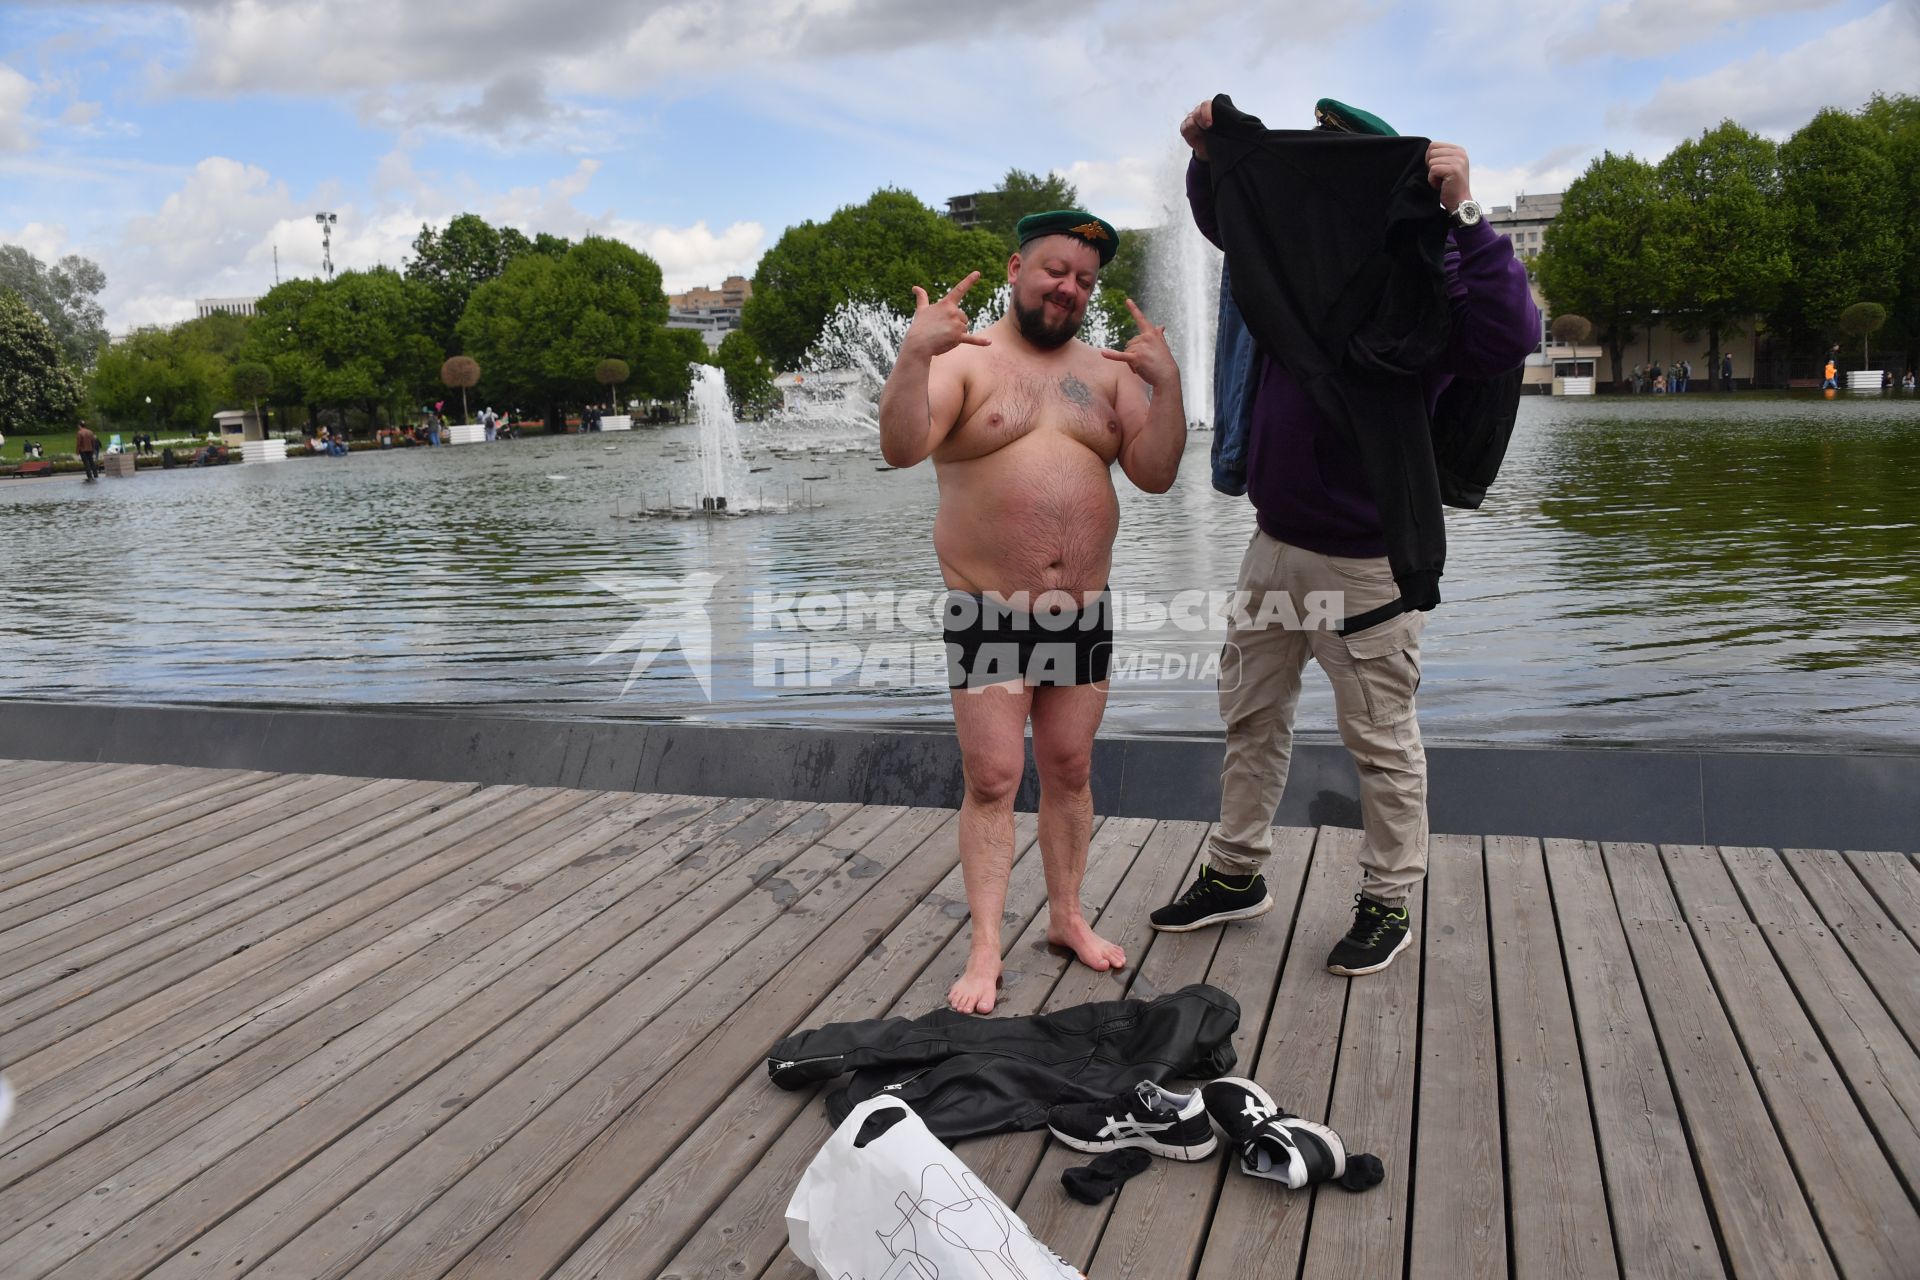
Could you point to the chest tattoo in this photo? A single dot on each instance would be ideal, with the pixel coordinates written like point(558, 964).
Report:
point(1076, 391)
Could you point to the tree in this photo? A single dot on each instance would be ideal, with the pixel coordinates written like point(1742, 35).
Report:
point(454, 261)
point(610, 374)
point(1019, 194)
point(1844, 199)
point(37, 387)
point(1595, 258)
point(1860, 320)
point(355, 341)
point(665, 369)
point(543, 327)
point(1719, 246)
point(251, 381)
point(461, 372)
point(749, 376)
point(1895, 122)
point(1571, 329)
point(64, 295)
point(874, 252)
point(159, 378)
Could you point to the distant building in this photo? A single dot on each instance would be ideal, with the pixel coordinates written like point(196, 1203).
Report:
point(714, 312)
point(1526, 220)
point(964, 211)
point(205, 307)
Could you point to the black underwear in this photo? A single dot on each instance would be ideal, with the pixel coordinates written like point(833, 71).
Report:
point(990, 642)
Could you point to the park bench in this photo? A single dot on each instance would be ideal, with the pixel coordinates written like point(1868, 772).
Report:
point(30, 467)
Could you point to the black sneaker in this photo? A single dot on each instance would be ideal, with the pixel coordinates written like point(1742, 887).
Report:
point(1214, 899)
point(1146, 1116)
point(1379, 933)
point(1269, 1142)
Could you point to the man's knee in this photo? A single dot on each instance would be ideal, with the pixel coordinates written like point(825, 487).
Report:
point(992, 778)
point(1063, 768)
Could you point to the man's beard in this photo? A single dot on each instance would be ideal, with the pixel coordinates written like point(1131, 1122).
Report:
point(1035, 327)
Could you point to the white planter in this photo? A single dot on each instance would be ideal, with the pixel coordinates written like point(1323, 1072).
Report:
point(1864, 379)
point(619, 422)
point(1573, 386)
point(466, 433)
point(263, 451)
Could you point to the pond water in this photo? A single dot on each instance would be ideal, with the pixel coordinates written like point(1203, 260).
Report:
point(1702, 569)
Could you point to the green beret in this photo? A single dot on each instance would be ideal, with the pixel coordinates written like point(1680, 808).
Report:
point(1097, 232)
point(1335, 114)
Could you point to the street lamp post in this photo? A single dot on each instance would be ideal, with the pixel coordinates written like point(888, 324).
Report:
point(150, 418)
point(326, 221)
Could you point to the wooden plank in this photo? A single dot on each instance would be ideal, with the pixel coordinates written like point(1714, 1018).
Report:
point(1871, 1227)
point(1886, 955)
point(1765, 1225)
point(747, 1233)
point(145, 936)
point(568, 901)
point(598, 1069)
point(905, 972)
point(60, 793)
point(1895, 881)
point(1372, 1109)
point(85, 831)
point(123, 918)
point(186, 1124)
point(56, 900)
point(1157, 1224)
point(1557, 1204)
point(1259, 1229)
point(1881, 1068)
point(437, 876)
point(1662, 1227)
point(1174, 960)
point(1459, 1185)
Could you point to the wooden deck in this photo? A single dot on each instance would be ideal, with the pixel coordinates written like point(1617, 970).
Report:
point(297, 1026)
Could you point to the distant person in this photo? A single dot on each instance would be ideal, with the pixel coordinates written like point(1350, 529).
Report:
point(1886, 380)
point(1639, 379)
point(87, 445)
point(1659, 383)
point(1909, 382)
point(489, 423)
point(1682, 376)
point(1726, 372)
point(1833, 378)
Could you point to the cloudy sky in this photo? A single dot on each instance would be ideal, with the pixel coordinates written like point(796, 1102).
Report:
point(180, 144)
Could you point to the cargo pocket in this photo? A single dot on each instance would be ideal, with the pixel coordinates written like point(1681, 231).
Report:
point(1386, 665)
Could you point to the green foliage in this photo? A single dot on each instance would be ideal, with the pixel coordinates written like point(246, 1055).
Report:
point(1019, 194)
point(544, 326)
point(355, 341)
point(159, 378)
point(1720, 241)
point(875, 251)
point(251, 381)
point(1862, 318)
point(220, 334)
point(65, 295)
point(1595, 261)
point(452, 262)
point(665, 369)
point(1572, 328)
point(749, 376)
point(36, 385)
point(1849, 225)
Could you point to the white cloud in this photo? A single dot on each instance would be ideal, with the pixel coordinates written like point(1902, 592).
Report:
point(218, 233)
point(1777, 92)
point(47, 242)
point(16, 91)
point(1630, 27)
point(1133, 191)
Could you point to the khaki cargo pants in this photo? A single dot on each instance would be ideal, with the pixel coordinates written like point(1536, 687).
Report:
point(1374, 673)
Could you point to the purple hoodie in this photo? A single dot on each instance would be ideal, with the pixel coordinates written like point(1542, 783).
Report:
point(1304, 476)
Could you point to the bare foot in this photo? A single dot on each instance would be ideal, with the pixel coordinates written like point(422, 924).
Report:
point(978, 987)
point(1088, 947)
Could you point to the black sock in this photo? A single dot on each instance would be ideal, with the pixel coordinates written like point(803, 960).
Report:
point(1092, 1183)
point(1363, 1171)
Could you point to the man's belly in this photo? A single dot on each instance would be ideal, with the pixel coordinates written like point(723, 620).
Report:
point(1038, 515)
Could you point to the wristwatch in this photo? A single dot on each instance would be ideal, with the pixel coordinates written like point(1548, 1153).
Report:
point(1466, 213)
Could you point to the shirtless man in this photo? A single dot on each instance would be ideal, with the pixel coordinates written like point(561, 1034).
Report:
point(1024, 422)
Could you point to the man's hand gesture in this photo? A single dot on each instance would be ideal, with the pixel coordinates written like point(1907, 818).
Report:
point(939, 327)
point(1193, 129)
point(1148, 354)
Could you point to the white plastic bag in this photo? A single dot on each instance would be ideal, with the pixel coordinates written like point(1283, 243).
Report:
point(904, 1207)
